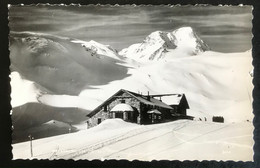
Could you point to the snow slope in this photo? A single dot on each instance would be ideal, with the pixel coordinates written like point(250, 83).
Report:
point(97, 49)
point(44, 59)
point(214, 83)
point(178, 140)
point(181, 42)
point(23, 90)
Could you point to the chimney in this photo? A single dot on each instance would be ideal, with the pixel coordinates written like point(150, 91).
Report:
point(148, 96)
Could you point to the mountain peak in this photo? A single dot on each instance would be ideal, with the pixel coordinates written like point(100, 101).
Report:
point(155, 35)
point(187, 39)
point(184, 30)
point(97, 49)
point(158, 43)
point(161, 38)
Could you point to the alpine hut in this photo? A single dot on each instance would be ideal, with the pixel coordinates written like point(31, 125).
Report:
point(138, 108)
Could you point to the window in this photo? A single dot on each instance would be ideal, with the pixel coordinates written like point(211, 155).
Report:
point(122, 101)
point(119, 115)
point(99, 120)
point(154, 116)
point(105, 108)
point(129, 116)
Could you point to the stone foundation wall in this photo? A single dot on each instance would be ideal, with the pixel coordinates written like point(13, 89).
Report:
point(93, 121)
point(131, 101)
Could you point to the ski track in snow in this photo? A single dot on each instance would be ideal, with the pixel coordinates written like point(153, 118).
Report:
point(189, 140)
point(152, 143)
point(161, 141)
point(113, 140)
point(178, 127)
point(161, 136)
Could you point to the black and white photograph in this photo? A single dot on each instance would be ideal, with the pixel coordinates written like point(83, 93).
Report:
point(129, 82)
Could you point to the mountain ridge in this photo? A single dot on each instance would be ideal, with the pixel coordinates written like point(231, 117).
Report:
point(158, 43)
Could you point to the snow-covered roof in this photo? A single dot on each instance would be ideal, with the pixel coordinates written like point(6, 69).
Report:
point(173, 99)
point(152, 101)
point(122, 107)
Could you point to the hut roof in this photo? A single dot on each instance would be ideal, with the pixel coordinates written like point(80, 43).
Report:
point(151, 101)
point(173, 99)
point(145, 99)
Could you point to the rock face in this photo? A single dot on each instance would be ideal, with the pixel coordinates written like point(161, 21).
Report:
point(157, 44)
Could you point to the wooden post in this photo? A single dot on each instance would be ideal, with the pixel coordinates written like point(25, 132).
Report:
point(124, 115)
point(31, 138)
point(114, 115)
point(70, 127)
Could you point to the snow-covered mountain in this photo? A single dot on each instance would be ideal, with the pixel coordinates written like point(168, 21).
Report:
point(97, 49)
point(63, 79)
point(181, 42)
point(44, 59)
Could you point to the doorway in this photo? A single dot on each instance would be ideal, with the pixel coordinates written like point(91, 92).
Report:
point(99, 121)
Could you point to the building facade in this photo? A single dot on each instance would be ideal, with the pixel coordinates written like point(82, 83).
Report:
point(138, 108)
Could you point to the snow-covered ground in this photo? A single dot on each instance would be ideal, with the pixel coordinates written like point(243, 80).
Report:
point(177, 140)
point(215, 84)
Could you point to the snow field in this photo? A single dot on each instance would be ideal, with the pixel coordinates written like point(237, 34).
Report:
point(177, 140)
point(183, 141)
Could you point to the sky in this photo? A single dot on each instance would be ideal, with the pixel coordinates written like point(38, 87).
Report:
point(223, 28)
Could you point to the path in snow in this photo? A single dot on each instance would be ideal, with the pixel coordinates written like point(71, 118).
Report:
point(118, 138)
